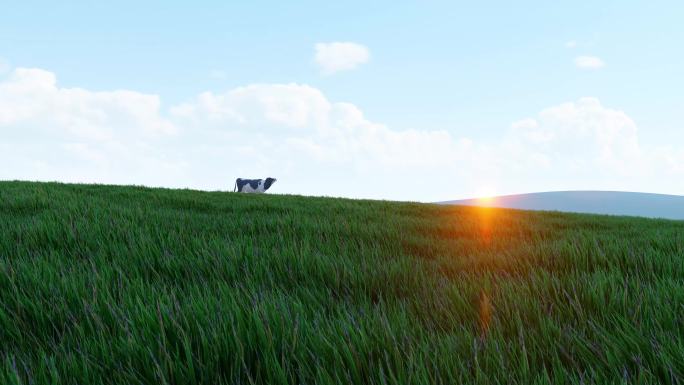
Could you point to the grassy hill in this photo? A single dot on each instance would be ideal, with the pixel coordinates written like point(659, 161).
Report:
point(129, 285)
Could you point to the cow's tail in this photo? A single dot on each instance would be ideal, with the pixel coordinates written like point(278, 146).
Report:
point(235, 188)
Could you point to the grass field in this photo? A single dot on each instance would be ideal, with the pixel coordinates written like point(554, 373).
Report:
point(128, 285)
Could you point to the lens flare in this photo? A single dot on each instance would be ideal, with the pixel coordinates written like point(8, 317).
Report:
point(485, 214)
point(485, 217)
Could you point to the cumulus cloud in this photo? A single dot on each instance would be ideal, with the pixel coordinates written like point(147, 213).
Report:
point(312, 144)
point(288, 105)
point(584, 134)
point(305, 119)
point(30, 97)
point(340, 56)
point(73, 134)
point(589, 62)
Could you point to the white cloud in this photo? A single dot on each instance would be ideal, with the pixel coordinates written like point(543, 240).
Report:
point(73, 134)
point(31, 97)
point(571, 44)
point(585, 133)
point(303, 117)
point(589, 62)
point(311, 144)
point(289, 105)
point(340, 56)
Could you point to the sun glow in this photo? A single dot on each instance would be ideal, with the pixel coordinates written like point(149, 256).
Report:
point(486, 196)
point(486, 201)
point(485, 216)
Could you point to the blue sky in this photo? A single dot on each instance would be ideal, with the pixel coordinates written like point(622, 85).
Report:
point(467, 70)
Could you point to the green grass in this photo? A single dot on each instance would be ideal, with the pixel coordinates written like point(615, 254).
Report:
point(128, 285)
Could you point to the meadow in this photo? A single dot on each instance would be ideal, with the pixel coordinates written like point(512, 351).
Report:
point(132, 285)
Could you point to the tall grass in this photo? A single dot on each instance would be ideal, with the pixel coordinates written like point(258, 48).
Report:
point(128, 285)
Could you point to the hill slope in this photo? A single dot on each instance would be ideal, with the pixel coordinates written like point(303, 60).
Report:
point(127, 285)
point(594, 202)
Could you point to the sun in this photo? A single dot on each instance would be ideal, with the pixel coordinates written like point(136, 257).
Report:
point(486, 200)
point(486, 196)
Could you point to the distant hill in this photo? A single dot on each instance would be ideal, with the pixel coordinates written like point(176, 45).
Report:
point(594, 202)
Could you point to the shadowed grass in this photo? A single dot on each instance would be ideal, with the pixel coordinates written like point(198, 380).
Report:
point(128, 285)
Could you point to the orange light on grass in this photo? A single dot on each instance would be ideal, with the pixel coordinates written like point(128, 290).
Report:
point(485, 218)
point(485, 215)
point(484, 312)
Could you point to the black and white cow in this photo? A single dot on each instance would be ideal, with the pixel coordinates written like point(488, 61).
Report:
point(253, 185)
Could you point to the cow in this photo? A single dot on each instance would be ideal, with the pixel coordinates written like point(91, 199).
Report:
point(253, 185)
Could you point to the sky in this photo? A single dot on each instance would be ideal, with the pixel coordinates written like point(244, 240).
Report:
point(421, 101)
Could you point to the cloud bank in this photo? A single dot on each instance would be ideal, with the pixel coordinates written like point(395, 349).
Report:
point(311, 144)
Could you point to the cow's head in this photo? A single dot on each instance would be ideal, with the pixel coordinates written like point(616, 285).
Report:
point(268, 182)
